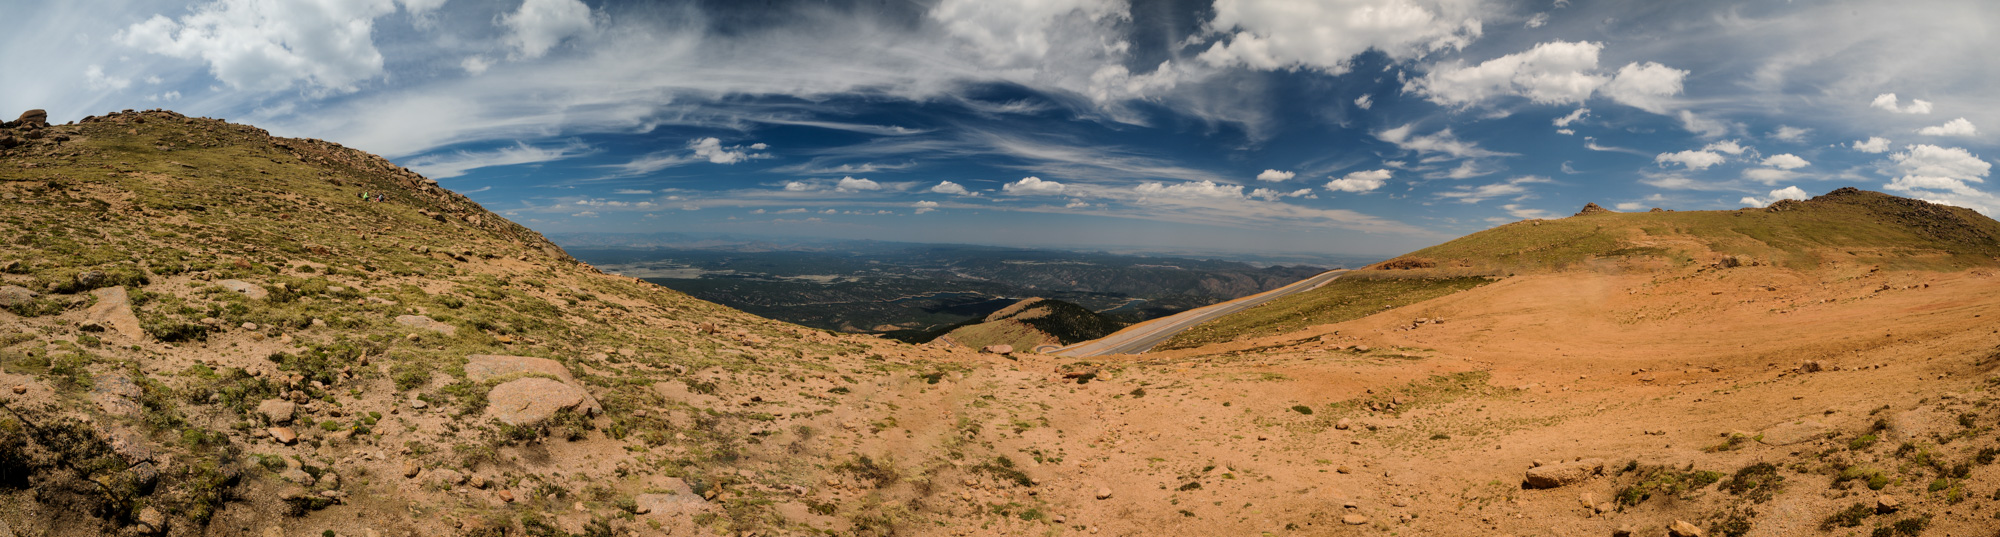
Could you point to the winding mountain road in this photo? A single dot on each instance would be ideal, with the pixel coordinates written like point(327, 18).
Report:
point(1142, 337)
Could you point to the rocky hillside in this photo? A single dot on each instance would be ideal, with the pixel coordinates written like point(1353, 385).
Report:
point(1032, 323)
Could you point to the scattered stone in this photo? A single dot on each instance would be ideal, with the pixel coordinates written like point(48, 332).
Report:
point(426, 323)
point(1682, 528)
point(1886, 504)
point(505, 495)
point(705, 328)
point(15, 295)
point(1794, 432)
point(1344, 469)
point(480, 367)
point(1354, 520)
point(115, 394)
point(1343, 424)
point(1624, 531)
point(153, 520)
point(411, 469)
point(249, 326)
point(419, 404)
point(1811, 366)
point(447, 477)
point(20, 390)
point(278, 411)
point(254, 291)
point(1103, 493)
point(284, 435)
point(533, 400)
point(998, 349)
point(1561, 474)
point(114, 309)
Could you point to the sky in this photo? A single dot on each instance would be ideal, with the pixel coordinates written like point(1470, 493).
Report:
point(1350, 127)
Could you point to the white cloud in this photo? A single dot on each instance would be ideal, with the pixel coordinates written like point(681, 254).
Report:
point(1705, 127)
point(1190, 190)
point(540, 25)
point(1645, 86)
point(925, 206)
point(1033, 185)
point(1786, 161)
point(1275, 176)
point(1536, 21)
point(1924, 166)
point(792, 211)
point(95, 77)
point(1874, 144)
point(1361, 181)
point(454, 164)
point(955, 189)
point(1887, 101)
point(1787, 193)
point(1727, 146)
point(1769, 176)
point(712, 150)
point(850, 184)
point(1510, 187)
point(1076, 204)
point(1018, 34)
point(474, 65)
point(1326, 35)
point(1518, 211)
point(1956, 127)
point(1790, 134)
point(268, 45)
point(1551, 73)
point(1628, 206)
point(1365, 101)
point(1573, 117)
point(1693, 160)
point(1442, 141)
point(796, 186)
point(1267, 194)
point(631, 191)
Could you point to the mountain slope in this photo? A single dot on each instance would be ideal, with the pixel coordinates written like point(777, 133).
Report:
point(1846, 227)
point(1032, 323)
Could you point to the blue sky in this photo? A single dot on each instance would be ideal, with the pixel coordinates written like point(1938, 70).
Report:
point(1337, 126)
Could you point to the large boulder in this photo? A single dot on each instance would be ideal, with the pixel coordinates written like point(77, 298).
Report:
point(15, 295)
point(480, 367)
point(998, 349)
point(426, 323)
point(277, 411)
point(533, 400)
point(35, 118)
point(114, 310)
point(1568, 473)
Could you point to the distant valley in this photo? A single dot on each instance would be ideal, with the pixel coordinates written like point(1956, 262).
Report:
point(916, 292)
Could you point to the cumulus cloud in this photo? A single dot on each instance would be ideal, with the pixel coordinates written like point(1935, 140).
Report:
point(1275, 176)
point(1536, 21)
point(1888, 101)
point(1551, 73)
point(1267, 194)
point(1727, 146)
point(850, 184)
point(1874, 144)
point(94, 76)
point(1789, 133)
point(797, 186)
point(1362, 181)
point(1705, 127)
point(1442, 141)
point(712, 150)
point(1787, 193)
point(1190, 190)
point(1645, 86)
point(540, 25)
point(925, 206)
point(1017, 34)
point(1956, 127)
point(269, 45)
point(955, 189)
point(1786, 161)
point(1476, 194)
point(1326, 35)
point(1692, 159)
point(1364, 102)
point(1930, 167)
point(1033, 185)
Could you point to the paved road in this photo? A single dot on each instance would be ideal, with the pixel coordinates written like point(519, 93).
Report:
point(1142, 337)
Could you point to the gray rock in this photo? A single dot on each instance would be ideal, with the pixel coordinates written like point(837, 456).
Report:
point(426, 323)
point(480, 367)
point(1568, 473)
point(115, 394)
point(15, 295)
point(89, 279)
point(153, 520)
point(533, 400)
point(254, 291)
point(279, 411)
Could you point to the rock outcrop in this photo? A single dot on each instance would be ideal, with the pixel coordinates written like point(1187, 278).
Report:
point(533, 400)
point(1563, 474)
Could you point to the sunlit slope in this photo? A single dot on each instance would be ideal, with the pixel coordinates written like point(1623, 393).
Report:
point(1847, 226)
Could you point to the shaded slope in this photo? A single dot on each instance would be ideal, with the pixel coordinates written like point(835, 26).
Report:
point(1034, 322)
